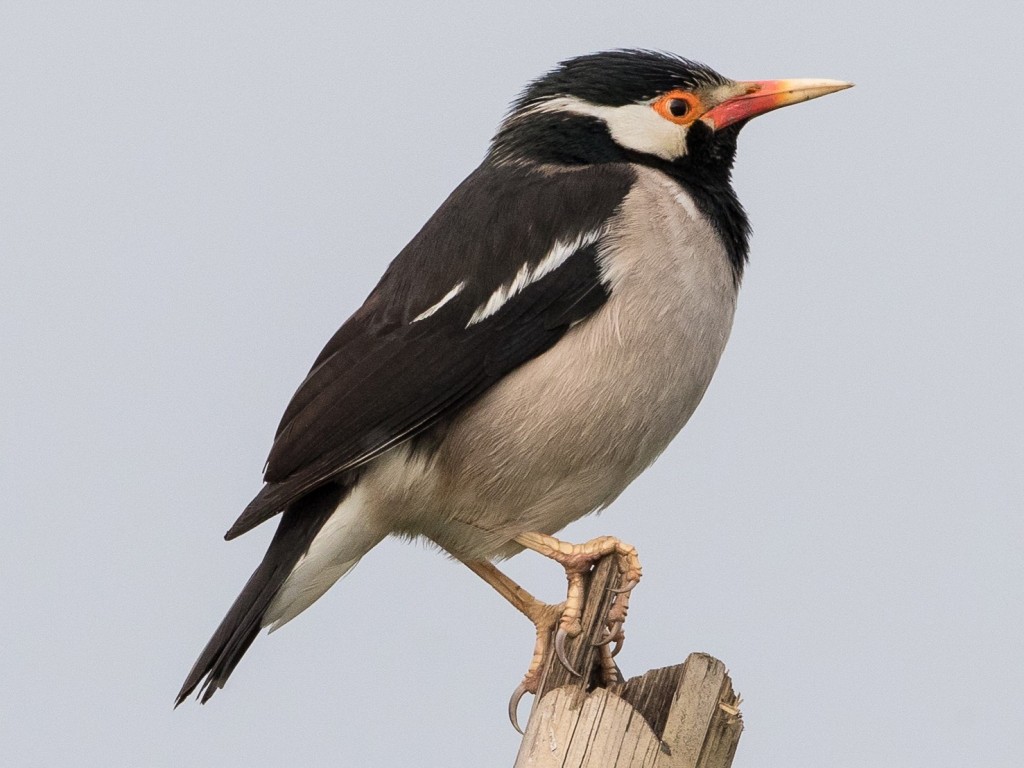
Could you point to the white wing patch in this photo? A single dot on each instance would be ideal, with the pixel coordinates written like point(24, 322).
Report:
point(556, 257)
point(444, 300)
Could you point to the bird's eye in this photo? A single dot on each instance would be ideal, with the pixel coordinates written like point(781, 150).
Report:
point(680, 107)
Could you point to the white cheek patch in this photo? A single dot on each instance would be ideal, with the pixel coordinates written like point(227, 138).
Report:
point(633, 126)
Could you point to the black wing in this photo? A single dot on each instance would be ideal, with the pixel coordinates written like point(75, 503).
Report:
point(395, 369)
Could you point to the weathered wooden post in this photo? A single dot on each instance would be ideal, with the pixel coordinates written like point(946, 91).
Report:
point(684, 716)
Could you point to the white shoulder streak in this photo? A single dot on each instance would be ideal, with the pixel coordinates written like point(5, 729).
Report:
point(444, 300)
point(556, 257)
point(684, 199)
point(634, 126)
point(681, 196)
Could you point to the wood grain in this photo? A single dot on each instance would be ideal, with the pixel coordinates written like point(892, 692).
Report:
point(683, 716)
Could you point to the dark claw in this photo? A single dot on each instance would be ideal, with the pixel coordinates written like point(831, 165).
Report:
point(614, 630)
point(607, 638)
point(513, 706)
point(560, 637)
point(617, 648)
point(628, 588)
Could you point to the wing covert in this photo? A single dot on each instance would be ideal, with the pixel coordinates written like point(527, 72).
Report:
point(525, 251)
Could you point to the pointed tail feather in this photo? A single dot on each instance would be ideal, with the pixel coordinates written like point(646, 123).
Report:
point(299, 526)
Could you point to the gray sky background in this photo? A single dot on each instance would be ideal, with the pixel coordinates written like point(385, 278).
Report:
point(193, 196)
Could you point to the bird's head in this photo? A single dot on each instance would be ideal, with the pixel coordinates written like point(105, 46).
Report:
point(640, 106)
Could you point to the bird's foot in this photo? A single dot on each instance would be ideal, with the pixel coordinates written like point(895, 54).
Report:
point(578, 559)
point(544, 617)
point(562, 621)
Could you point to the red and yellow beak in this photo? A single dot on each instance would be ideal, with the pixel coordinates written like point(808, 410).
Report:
point(759, 96)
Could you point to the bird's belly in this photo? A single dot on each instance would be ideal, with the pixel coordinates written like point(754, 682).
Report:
point(565, 433)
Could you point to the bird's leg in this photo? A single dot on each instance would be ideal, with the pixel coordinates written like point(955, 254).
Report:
point(578, 559)
point(543, 615)
point(606, 661)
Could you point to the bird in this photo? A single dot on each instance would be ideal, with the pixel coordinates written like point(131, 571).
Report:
point(531, 351)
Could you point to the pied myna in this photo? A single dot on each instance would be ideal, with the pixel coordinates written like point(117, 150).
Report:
point(529, 353)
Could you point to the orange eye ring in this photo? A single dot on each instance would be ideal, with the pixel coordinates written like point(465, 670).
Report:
point(679, 107)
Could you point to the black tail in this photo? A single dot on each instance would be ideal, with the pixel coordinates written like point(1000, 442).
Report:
point(299, 526)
